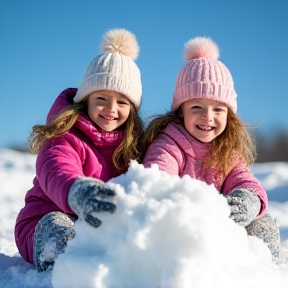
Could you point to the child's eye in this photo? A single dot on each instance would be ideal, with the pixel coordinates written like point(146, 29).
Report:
point(122, 102)
point(196, 107)
point(100, 98)
point(219, 109)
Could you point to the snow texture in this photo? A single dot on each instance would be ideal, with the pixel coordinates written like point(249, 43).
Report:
point(166, 232)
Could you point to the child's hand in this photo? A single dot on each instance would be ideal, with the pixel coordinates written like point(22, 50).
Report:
point(88, 195)
point(245, 206)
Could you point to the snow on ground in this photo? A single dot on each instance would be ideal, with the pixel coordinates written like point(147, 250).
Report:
point(166, 232)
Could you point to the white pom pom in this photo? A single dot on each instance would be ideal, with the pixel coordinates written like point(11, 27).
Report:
point(201, 47)
point(122, 41)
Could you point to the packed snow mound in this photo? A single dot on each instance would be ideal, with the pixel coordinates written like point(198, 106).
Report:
point(166, 232)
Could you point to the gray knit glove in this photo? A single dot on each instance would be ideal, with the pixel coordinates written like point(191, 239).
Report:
point(245, 206)
point(88, 195)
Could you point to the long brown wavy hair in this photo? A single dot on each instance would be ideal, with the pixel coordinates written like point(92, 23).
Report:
point(235, 140)
point(64, 121)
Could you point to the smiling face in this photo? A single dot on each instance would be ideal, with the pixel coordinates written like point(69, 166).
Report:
point(204, 119)
point(108, 109)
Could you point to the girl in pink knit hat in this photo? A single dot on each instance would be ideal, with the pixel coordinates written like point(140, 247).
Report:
point(202, 136)
point(90, 136)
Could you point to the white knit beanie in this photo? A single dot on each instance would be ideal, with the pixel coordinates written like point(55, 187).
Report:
point(115, 69)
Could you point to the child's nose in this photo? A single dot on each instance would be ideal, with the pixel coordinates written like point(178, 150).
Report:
point(207, 114)
point(111, 105)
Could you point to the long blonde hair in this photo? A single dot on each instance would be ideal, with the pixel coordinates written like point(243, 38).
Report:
point(64, 121)
point(235, 140)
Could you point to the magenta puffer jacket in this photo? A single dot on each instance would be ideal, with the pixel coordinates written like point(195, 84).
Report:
point(178, 153)
point(82, 151)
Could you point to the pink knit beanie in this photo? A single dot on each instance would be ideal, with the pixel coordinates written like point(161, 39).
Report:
point(115, 69)
point(204, 76)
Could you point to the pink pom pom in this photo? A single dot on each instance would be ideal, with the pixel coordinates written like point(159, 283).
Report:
point(201, 47)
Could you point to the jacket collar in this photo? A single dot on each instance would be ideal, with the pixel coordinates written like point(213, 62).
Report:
point(98, 137)
point(187, 142)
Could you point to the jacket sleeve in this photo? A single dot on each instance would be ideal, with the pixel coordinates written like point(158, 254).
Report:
point(241, 177)
point(166, 154)
point(58, 165)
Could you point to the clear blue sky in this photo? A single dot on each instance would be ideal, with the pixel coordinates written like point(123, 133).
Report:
point(46, 46)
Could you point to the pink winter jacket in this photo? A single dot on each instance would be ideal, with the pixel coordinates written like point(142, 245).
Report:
point(178, 153)
point(82, 151)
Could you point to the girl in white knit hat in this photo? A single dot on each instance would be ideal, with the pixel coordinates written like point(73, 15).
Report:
point(203, 137)
point(90, 136)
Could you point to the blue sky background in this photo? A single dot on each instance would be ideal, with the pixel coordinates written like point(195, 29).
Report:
point(46, 45)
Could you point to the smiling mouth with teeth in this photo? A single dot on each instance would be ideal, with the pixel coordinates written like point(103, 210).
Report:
point(205, 128)
point(109, 118)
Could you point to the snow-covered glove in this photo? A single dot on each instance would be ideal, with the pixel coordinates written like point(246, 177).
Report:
point(245, 206)
point(88, 195)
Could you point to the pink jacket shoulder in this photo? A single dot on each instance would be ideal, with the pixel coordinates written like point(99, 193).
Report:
point(62, 101)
